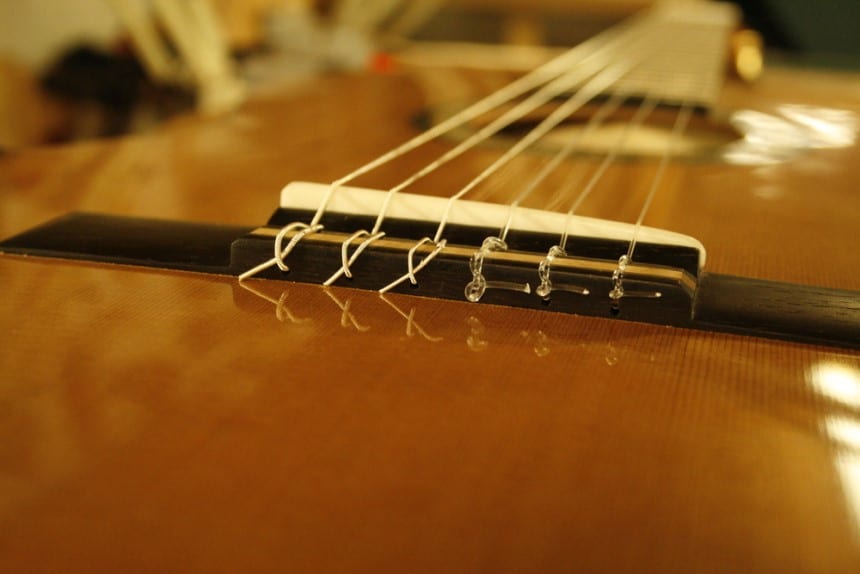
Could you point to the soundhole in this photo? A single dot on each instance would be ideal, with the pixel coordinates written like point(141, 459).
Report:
point(706, 137)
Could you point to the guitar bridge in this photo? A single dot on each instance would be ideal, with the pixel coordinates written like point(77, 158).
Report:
point(689, 298)
point(446, 275)
point(583, 275)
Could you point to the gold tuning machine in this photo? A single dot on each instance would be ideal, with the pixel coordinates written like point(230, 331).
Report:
point(747, 55)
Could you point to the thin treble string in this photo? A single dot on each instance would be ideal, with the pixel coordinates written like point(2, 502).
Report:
point(586, 93)
point(590, 67)
point(566, 80)
point(559, 66)
point(476, 288)
point(681, 123)
point(601, 77)
point(531, 103)
point(606, 110)
point(639, 117)
point(545, 288)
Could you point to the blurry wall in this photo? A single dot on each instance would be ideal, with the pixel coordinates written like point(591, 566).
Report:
point(33, 32)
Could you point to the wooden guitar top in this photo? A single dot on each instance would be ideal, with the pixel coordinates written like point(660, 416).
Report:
point(164, 421)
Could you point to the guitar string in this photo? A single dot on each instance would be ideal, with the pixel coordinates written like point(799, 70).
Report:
point(476, 288)
point(645, 109)
point(656, 27)
point(681, 122)
point(605, 42)
point(586, 93)
point(649, 103)
point(545, 287)
point(606, 110)
point(688, 86)
point(537, 99)
point(603, 77)
point(523, 144)
point(554, 69)
point(618, 292)
point(557, 68)
point(580, 98)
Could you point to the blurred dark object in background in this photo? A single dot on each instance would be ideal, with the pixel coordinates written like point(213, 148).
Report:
point(813, 32)
point(108, 94)
point(93, 90)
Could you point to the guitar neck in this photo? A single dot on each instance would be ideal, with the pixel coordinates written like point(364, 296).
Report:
point(688, 62)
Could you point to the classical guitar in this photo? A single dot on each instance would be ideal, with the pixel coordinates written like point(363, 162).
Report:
point(671, 57)
point(556, 377)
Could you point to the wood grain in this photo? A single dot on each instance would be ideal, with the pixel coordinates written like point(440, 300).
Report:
point(159, 421)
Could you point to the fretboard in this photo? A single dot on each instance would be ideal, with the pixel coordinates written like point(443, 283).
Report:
point(686, 59)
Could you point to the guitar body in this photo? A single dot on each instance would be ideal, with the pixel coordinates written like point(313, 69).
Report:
point(173, 421)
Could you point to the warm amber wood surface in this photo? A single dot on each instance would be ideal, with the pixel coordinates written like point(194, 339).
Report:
point(172, 422)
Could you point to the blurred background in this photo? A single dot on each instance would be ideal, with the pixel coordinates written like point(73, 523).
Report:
point(103, 68)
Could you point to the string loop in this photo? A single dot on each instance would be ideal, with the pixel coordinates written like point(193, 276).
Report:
point(545, 289)
point(476, 288)
point(281, 254)
point(346, 262)
point(617, 292)
point(412, 268)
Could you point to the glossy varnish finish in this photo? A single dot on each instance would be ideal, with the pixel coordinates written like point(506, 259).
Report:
point(168, 421)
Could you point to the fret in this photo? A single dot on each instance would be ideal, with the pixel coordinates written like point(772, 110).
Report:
point(689, 62)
